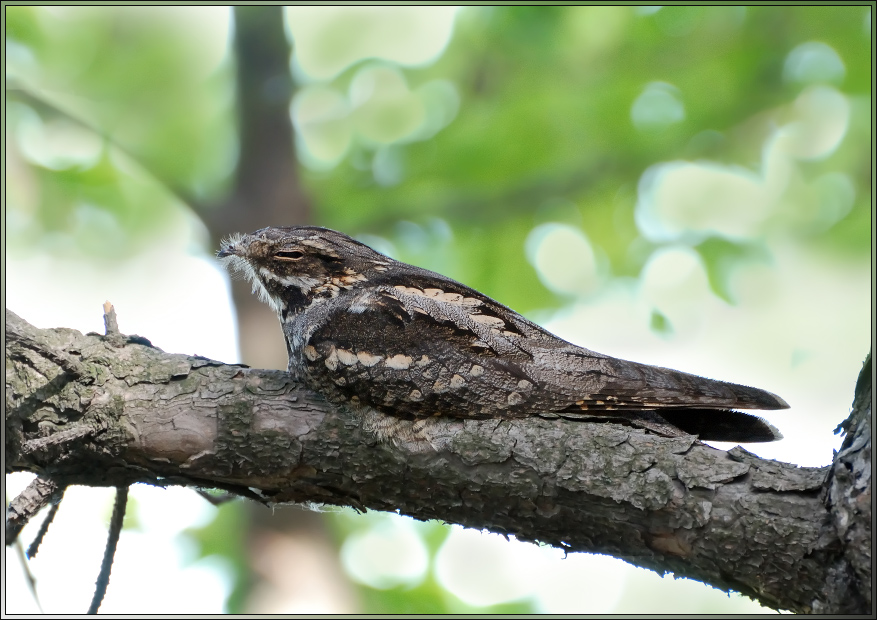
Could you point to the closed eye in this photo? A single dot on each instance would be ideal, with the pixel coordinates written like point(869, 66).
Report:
point(293, 255)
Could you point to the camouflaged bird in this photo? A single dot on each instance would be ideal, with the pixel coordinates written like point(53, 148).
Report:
point(368, 331)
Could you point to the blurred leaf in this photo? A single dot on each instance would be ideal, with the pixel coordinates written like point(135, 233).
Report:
point(721, 257)
point(660, 323)
point(139, 79)
point(222, 537)
point(854, 233)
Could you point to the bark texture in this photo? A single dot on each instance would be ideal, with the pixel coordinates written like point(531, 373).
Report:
point(94, 410)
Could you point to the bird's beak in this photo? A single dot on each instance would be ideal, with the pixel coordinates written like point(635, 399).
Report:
point(227, 249)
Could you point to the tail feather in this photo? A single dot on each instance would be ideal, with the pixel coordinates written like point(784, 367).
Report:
point(722, 425)
point(695, 405)
point(640, 385)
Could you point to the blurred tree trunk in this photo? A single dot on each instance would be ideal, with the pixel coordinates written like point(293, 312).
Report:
point(267, 192)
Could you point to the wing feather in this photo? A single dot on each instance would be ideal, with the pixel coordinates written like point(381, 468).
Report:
point(422, 351)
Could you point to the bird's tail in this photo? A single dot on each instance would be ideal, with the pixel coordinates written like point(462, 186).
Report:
point(721, 425)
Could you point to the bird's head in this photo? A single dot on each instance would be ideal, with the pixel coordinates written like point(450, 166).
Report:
point(291, 267)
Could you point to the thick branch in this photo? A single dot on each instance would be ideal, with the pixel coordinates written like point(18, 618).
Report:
point(728, 519)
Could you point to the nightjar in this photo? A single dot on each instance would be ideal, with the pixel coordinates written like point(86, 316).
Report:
point(368, 331)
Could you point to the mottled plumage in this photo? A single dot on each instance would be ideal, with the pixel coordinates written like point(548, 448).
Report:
point(369, 331)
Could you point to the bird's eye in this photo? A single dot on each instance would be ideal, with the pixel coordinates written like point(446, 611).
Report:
point(293, 255)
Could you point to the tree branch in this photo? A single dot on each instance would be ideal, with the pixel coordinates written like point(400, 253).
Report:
point(729, 519)
point(847, 491)
point(34, 547)
point(38, 494)
point(106, 566)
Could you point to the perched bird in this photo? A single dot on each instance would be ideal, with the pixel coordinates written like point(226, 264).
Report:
point(368, 331)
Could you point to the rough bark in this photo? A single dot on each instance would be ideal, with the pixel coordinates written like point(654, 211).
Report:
point(847, 491)
point(97, 411)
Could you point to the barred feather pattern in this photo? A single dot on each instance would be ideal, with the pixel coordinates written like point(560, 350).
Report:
point(379, 335)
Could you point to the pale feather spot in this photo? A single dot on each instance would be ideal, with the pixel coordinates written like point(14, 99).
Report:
point(523, 384)
point(311, 353)
point(515, 399)
point(332, 289)
point(332, 360)
point(317, 243)
point(399, 362)
point(453, 298)
point(457, 382)
point(423, 361)
point(348, 358)
point(353, 274)
point(476, 370)
point(432, 292)
point(340, 381)
point(489, 321)
point(439, 387)
point(415, 395)
point(471, 301)
point(345, 282)
point(352, 278)
point(367, 359)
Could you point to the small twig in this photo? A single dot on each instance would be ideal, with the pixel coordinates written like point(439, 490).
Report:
point(111, 323)
point(34, 547)
point(216, 500)
point(40, 492)
point(31, 581)
point(115, 337)
point(25, 567)
point(103, 579)
point(61, 437)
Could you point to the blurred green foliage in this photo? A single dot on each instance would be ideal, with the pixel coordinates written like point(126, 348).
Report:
point(114, 116)
point(214, 539)
point(425, 595)
point(117, 117)
point(545, 119)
